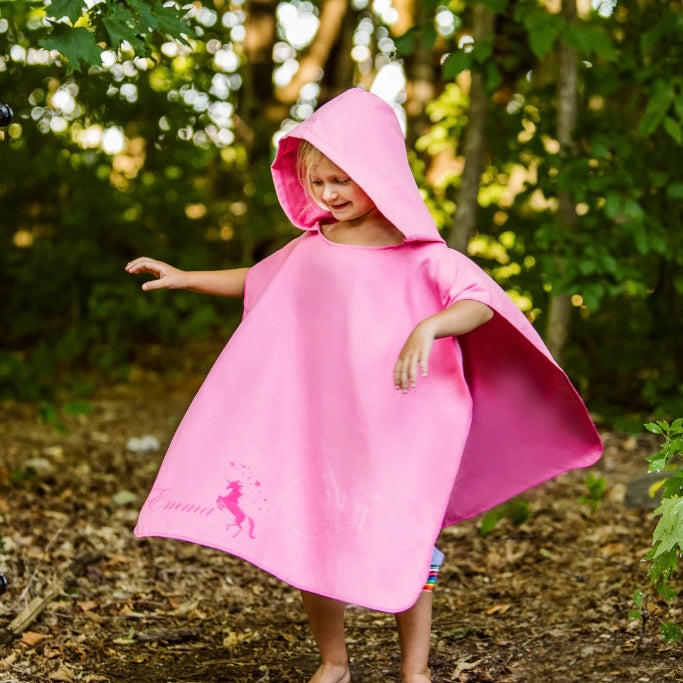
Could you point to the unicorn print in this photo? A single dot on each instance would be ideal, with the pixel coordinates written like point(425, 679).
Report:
point(230, 502)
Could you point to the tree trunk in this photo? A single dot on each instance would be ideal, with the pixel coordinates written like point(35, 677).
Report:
point(257, 75)
point(420, 76)
point(559, 309)
point(340, 68)
point(474, 145)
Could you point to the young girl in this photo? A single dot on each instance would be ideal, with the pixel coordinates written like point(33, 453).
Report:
point(380, 387)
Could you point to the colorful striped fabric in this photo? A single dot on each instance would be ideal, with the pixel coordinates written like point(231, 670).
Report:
point(437, 560)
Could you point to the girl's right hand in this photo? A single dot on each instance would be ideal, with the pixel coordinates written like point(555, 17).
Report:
point(167, 276)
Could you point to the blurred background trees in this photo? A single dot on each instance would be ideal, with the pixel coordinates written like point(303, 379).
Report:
point(546, 136)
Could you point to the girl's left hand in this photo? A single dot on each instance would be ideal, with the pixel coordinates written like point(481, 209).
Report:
point(415, 352)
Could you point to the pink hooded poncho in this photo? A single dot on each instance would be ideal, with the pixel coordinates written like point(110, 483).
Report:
point(300, 456)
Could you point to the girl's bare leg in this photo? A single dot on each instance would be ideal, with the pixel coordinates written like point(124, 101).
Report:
point(326, 617)
point(414, 630)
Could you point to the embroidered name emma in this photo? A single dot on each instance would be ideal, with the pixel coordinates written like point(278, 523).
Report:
point(162, 499)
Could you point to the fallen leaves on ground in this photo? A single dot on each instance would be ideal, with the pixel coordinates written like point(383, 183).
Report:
point(546, 602)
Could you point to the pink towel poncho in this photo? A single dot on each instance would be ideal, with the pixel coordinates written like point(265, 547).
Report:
point(300, 456)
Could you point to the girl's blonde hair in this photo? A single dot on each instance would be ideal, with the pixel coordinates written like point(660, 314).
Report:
point(306, 156)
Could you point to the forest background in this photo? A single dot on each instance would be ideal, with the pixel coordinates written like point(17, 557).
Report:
point(545, 135)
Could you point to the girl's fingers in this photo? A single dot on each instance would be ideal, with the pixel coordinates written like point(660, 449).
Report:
point(144, 264)
point(412, 372)
point(406, 370)
point(153, 284)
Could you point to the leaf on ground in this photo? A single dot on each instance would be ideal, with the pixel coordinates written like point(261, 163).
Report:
point(62, 674)
point(32, 638)
point(123, 498)
point(87, 605)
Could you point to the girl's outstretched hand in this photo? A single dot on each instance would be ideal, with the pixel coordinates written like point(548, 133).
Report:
point(415, 352)
point(167, 276)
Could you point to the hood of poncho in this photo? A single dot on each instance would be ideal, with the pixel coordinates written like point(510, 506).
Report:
point(360, 133)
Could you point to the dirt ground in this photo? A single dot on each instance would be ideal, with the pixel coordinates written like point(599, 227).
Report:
point(545, 602)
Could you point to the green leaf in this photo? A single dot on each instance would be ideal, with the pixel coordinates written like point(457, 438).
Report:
point(543, 28)
point(671, 632)
point(654, 428)
point(455, 63)
point(666, 591)
point(65, 8)
point(121, 26)
point(405, 44)
point(669, 531)
point(482, 51)
point(516, 510)
point(145, 12)
point(638, 598)
point(489, 521)
point(541, 40)
point(77, 45)
point(673, 128)
point(493, 76)
point(657, 106)
point(634, 614)
point(170, 22)
point(633, 211)
point(77, 408)
point(589, 39)
point(428, 36)
point(678, 106)
point(657, 463)
point(613, 204)
point(673, 485)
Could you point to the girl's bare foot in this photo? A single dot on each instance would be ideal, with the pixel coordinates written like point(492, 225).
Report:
point(416, 678)
point(332, 673)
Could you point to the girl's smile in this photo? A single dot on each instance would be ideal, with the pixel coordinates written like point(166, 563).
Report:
point(337, 192)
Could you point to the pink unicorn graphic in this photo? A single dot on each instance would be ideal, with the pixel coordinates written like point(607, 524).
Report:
point(231, 504)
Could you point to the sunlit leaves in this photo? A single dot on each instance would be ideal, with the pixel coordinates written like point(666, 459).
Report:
point(112, 23)
point(73, 9)
point(122, 26)
point(669, 531)
point(667, 538)
point(76, 44)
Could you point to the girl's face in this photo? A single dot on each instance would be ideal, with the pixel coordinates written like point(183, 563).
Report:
point(335, 191)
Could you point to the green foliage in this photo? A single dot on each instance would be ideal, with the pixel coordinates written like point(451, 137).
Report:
point(76, 44)
point(57, 416)
point(672, 447)
point(517, 510)
point(74, 213)
point(671, 632)
point(112, 23)
point(667, 538)
point(621, 264)
point(596, 487)
point(639, 601)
